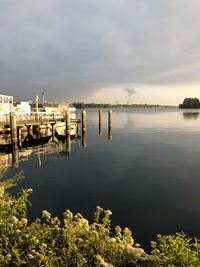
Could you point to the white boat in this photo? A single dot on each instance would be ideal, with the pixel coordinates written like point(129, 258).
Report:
point(60, 128)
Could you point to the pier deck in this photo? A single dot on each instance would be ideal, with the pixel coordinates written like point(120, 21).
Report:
point(34, 119)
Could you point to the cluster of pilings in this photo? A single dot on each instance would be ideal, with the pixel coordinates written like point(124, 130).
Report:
point(109, 124)
point(84, 128)
point(16, 135)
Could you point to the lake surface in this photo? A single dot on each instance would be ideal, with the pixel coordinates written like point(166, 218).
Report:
point(148, 175)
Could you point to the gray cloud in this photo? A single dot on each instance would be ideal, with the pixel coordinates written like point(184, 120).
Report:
point(71, 48)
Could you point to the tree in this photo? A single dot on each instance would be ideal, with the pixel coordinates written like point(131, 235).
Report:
point(190, 103)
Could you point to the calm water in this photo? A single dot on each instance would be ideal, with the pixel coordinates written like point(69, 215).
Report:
point(148, 175)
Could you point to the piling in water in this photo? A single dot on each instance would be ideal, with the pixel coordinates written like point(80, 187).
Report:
point(13, 127)
point(68, 145)
point(84, 120)
point(84, 144)
point(37, 106)
point(110, 125)
point(68, 131)
point(67, 123)
point(19, 136)
point(100, 122)
point(84, 140)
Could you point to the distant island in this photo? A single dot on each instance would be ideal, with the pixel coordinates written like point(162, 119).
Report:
point(81, 105)
point(190, 103)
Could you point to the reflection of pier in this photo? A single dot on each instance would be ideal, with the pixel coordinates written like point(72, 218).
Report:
point(12, 157)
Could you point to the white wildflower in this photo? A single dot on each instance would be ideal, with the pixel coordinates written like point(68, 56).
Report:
point(102, 262)
point(68, 214)
point(44, 246)
point(24, 221)
point(30, 256)
point(2, 190)
point(46, 214)
point(14, 219)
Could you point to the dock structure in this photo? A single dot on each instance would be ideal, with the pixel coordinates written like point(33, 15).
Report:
point(32, 119)
point(13, 123)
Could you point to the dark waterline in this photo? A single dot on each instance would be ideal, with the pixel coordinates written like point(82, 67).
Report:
point(148, 175)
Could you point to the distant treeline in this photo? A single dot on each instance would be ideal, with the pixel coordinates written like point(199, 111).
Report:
point(95, 105)
point(190, 103)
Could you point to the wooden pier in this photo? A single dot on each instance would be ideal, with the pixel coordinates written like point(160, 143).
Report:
point(13, 122)
point(32, 119)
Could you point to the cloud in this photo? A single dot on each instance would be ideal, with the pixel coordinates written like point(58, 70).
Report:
point(73, 48)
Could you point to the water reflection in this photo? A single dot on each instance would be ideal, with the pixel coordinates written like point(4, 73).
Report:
point(84, 140)
point(191, 115)
point(68, 145)
point(12, 157)
point(33, 142)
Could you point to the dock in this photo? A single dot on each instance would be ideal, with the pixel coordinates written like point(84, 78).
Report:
point(33, 119)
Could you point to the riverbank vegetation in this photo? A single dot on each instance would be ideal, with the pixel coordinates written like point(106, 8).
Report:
point(190, 103)
point(74, 241)
point(81, 105)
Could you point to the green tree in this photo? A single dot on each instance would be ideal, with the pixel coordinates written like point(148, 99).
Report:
point(190, 103)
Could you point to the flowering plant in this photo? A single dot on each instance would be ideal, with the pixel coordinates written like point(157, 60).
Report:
point(74, 241)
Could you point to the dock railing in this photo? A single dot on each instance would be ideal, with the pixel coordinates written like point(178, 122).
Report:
point(32, 117)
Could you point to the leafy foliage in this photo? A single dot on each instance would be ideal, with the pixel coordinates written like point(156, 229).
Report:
point(177, 250)
point(190, 103)
point(75, 242)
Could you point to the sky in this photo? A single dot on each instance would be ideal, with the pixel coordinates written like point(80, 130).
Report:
point(110, 51)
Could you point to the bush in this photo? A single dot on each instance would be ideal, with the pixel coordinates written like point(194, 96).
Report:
point(74, 242)
point(177, 250)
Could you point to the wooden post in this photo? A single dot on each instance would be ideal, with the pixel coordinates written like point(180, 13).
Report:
point(37, 106)
point(19, 136)
point(67, 123)
point(100, 116)
point(84, 120)
point(84, 128)
point(100, 122)
point(68, 145)
point(68, 131)
point(84, 140)
point(110, 117)
point(13, 126)
point(110, 125)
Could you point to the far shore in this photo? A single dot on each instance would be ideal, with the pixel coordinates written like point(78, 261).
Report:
point(80, 105)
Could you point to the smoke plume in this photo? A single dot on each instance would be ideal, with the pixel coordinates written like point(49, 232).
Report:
point(130, 92)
